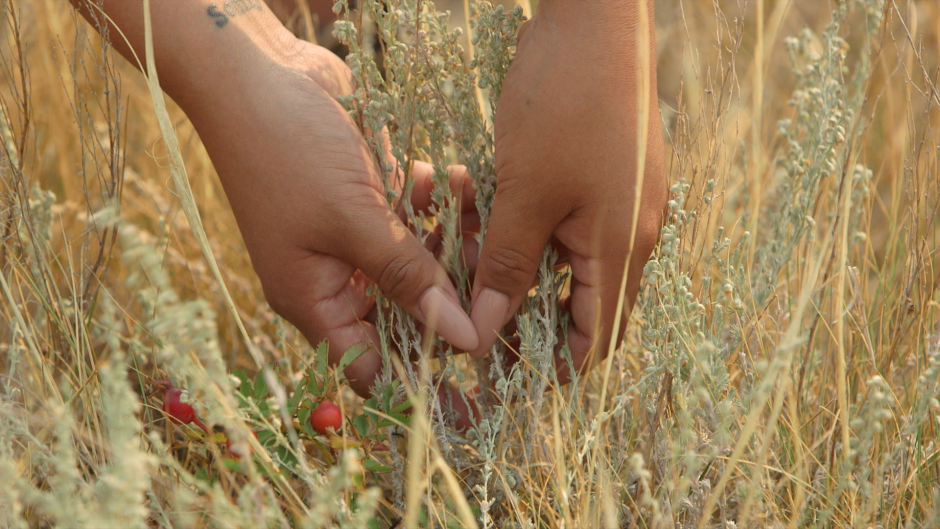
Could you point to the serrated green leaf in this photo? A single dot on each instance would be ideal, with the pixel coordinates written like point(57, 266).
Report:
point(260, 388)
point(362, 424)
point(264, 437)
point(322, 358)
point(368, 407)
point(305, 426)
point(244, 385)
point(304, 411)
point(286, 459)
point(401, 407)
point(294, 401)
point(387, 396)
point(351, 355)
point(313, 384)
point(232, 465)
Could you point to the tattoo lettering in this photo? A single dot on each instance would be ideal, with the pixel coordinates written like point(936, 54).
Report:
point(220, 19)
point(231, 9)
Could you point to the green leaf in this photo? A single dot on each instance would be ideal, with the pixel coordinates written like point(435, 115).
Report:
point(286, 459)
point(260, 389)
point(362, 424)
point(387, 396)
point(305, 425)
point(401, 407)
point(370, 405)
point(298, 395)
point(233, 465)
point(203, 475)
point(375, 466)
point(244, 386)
point(304, 411)
point(322, 358)
point(401, 417)
point(351, 355)
point(265, 437)
point(313, 385)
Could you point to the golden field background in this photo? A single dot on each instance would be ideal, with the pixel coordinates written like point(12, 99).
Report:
point(863, 302)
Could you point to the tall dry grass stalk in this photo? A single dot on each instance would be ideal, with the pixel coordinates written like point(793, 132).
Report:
point(781, 368)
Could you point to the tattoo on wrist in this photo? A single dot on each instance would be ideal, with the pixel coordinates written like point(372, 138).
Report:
point(231, 9)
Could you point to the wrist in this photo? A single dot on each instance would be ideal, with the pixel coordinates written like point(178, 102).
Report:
point(616, 19)
point(218, 56)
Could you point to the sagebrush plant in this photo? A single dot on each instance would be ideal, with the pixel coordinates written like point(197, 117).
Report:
point(781, 368)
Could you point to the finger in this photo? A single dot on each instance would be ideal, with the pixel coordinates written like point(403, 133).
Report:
point(375, 241)
point(328, 71)
point(470, 254)
point(469, 250)
point(468, 222)
point(326, 300)
point(363, 371)
point(606, 269)
point(460, 183)
point(519, 228)
point(561, 251)
point(462, 407)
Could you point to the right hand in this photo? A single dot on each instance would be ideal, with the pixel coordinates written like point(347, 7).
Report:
point(310, 204)
point(567, 137)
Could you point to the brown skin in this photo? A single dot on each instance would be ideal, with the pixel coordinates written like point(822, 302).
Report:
point(566, 163)
point(310, 203)
point(321, 9)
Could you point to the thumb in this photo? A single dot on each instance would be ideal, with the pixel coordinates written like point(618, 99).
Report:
point(516, 236)
point(376, 242)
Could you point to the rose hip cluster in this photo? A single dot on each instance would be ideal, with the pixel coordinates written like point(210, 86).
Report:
point(325, 417)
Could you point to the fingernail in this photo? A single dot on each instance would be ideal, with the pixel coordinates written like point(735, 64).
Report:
point(489, 313)
point(448, 319)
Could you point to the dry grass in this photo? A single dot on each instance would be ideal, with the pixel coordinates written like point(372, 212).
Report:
point(782, 368)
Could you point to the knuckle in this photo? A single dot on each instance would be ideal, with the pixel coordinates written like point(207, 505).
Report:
point(648, 228)
point(508, 266)
point(579, 360)
point(647, 234)
point(395, 274)
point(653, 215)
point(586, 359)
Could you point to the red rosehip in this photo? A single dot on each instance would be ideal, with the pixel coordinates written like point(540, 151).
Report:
point(178, 411)
point(327, 415)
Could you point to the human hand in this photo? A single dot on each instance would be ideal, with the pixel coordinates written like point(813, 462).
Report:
point(311, 207)
point(567, 130)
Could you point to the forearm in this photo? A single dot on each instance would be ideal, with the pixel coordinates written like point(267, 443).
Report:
point(608, 35)
point(200, 46)
point(600, 13)
point(613, 24)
